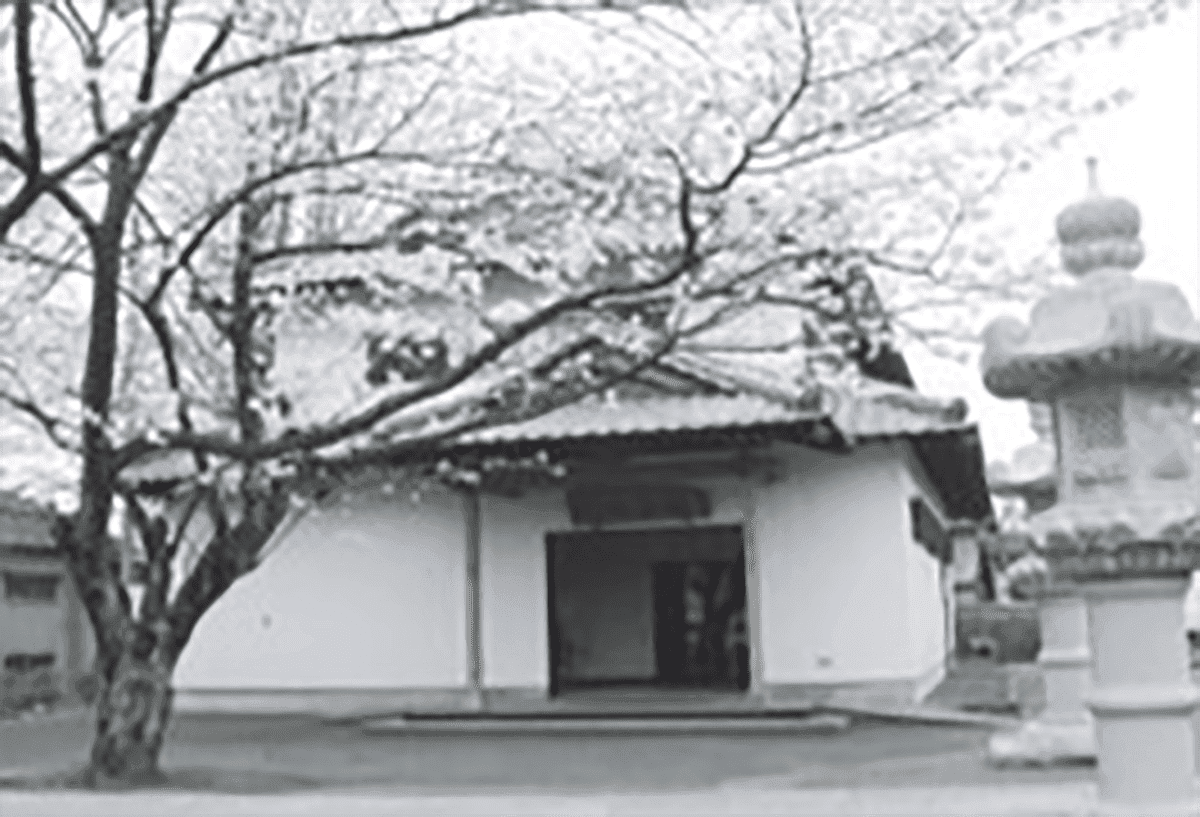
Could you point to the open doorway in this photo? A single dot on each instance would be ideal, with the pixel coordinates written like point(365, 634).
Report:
point(664, 608)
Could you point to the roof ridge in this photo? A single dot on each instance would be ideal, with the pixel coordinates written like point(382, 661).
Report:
point(707, 368)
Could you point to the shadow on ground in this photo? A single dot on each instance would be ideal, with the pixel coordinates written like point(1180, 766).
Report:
point(215, 781)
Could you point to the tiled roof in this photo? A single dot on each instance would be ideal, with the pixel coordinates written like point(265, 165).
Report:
point(875, 409)
point(739, 397)
point(871, 409)
point(597, 417)
point(878, 412)
point(754, 396)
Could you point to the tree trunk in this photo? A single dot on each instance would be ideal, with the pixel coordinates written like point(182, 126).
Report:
point(131, 722)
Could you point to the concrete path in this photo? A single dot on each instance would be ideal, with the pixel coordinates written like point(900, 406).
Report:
point(1009, 801)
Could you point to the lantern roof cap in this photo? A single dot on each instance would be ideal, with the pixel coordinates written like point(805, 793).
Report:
point(1099, 231)
point(1109, 326)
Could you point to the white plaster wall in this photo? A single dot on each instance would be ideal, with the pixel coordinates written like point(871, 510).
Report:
point(831, 540)
point(512, 566)
point(842, 592)
point(1191, 604)
point(926, 609)
point(367, 594)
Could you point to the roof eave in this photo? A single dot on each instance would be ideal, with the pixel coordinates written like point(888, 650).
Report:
point(953, 459)
point(816, 431)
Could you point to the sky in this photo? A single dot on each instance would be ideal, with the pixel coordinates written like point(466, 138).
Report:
point(1147, 153)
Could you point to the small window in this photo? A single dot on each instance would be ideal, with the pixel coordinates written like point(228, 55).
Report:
point(28, 662)
point(37, 587)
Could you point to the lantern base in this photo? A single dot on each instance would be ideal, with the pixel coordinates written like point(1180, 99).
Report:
point(1045, 743)
point(1189, 807)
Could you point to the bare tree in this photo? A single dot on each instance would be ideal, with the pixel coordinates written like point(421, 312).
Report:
point(292, 240)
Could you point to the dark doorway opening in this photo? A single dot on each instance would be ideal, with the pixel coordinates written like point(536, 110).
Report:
point(698, 637)
point(660, 608)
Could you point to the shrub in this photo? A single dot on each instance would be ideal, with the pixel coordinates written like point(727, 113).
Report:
point(1009, 632)
point(25, 691)
point(88, 687)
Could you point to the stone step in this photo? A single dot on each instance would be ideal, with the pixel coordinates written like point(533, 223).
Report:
point(827, 723)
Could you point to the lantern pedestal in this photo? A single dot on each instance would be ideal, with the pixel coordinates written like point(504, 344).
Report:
point(1141, 698)
point(1063, 732)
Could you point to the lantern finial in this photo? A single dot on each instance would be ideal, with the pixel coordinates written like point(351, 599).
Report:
point(1099, 232)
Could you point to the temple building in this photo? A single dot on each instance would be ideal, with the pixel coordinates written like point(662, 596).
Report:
point(708, 530)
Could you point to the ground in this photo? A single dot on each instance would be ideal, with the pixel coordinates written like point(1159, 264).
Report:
point(277, 754)
point(297, 765)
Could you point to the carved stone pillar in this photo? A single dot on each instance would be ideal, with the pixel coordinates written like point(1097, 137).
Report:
point(1142, 696)
point(1118, 359)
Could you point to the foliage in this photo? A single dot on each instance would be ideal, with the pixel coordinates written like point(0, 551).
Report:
point(1009, 633)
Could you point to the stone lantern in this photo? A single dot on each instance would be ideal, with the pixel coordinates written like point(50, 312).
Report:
point(1116, 358)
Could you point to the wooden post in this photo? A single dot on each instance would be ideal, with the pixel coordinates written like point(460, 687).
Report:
point(473, 601)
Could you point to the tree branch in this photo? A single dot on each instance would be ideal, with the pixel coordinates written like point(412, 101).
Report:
point(99, 122)
point(241, 325)
point(91, 54)
point(77, 29)
point(484, 414)
point(68, 202)
point(688, 259)
point(156, 34)
point(363, 421)
point(162, 335)
point(223, 207)
point(162, 120)
point(160, 548)
point(768, 133)
point(229, 555)
point(50, 424)
point(161, 115)
point(23, 22)
point(58, 265)
point(319, 248)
